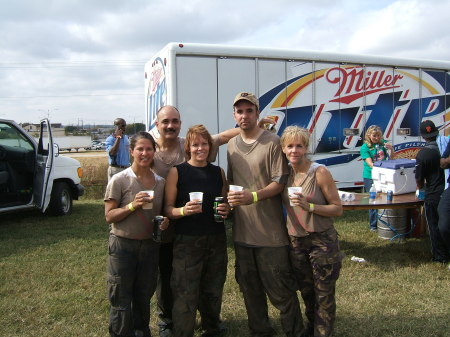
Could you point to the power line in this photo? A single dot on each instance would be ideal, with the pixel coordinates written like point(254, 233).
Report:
point(62, 96)
point(71, 64)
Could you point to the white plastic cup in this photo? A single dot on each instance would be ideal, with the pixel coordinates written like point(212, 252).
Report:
point(196, 196)
point(148, 205)
point(236, 188)
point(291, 191)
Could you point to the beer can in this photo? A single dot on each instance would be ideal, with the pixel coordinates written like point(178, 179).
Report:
point(217, 216)
point(389, 195)
point(156, 230)
point(421, 194)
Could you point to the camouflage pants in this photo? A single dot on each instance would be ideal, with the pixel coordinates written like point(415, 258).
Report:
point(132, 272)
point(198, 276)
point(316, 260)
point(266, 271)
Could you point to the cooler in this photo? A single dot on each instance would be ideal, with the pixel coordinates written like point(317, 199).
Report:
point(397, 175)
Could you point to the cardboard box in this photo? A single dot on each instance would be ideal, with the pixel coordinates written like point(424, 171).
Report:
point(397, 175)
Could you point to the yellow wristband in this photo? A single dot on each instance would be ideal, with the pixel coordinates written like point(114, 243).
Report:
point(182, 211)
point(130, 207)
point(255, 197)
point(311, 207)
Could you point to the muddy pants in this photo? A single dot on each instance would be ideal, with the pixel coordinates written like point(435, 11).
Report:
point(316, 260)
point(132, 273)
point(266, 271)
point(198, 276)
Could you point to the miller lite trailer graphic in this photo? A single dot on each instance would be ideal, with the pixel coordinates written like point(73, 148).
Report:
point(335, 96)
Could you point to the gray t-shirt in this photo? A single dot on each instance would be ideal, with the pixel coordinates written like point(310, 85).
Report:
point(123, 187)
point(254, 166)
point(163, 163)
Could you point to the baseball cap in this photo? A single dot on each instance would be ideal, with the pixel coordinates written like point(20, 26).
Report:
point(246, 96)
point(428, 129)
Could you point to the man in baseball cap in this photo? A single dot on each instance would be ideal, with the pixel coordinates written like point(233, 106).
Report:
point(428, 129)
point(246, 96)
point(430, 176)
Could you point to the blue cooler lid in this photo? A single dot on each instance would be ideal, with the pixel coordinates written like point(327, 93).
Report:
point(395, 163)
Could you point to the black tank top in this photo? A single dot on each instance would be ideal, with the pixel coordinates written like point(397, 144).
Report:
point(208, 180)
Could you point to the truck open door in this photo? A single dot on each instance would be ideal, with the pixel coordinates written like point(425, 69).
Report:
point(44, 166)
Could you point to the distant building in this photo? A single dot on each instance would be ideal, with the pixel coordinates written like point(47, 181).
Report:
point(34, 129)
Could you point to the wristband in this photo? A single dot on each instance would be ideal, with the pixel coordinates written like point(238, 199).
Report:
point(182, 211)
point(311, 208)
point(130, 207)
point(255, 197)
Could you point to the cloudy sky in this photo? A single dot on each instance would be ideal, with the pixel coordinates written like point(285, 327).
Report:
point(82, 61)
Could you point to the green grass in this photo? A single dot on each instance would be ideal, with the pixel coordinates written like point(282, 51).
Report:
point(52, 280)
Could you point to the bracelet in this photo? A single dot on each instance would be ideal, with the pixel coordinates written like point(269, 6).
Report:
point(311, 208)
point(130, 207)
point(182, 211)
point(255, 197)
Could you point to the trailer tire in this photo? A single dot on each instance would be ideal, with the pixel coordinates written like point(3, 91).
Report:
point(61, 200)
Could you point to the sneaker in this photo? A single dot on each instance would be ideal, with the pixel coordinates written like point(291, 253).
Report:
point(165, 332)
point(222, 330)
point(373, 229)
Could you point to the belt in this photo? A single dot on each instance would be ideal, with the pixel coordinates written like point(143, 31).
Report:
point(119, 166)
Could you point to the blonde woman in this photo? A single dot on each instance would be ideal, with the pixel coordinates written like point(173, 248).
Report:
point(314, 248)
point(375, 148)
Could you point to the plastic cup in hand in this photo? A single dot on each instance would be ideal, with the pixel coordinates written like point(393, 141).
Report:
point(235, 188)
point(196, 196)
point(148, 205)
point(291, 191)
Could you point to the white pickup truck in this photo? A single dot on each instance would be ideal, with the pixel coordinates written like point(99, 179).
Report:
point(33, 174)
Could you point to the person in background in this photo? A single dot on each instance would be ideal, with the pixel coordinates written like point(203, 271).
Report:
point(315, 255)
point(430, 176)
point(444, 207)
point(374, 149)
point(200, 246)
point(256, 162)
point(118, 148)
point(132, 265)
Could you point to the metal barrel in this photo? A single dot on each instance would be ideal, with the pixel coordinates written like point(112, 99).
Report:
point(391, 222)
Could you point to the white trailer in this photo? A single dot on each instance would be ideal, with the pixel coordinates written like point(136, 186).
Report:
point(70, 143)
point(335, 96)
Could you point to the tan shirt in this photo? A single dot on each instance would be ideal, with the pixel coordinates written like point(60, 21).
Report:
point(300, 222)
point(163, 163)
point(254, 167)
point(123, 187)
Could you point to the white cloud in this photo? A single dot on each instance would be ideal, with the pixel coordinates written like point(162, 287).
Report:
point(85, 58)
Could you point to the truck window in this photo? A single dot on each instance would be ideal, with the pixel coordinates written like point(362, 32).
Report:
point(10, 136)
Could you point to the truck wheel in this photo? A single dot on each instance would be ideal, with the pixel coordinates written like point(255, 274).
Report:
point(61, 199)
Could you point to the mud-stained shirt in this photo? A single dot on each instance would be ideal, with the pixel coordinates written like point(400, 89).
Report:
point(123, 187)
point(299, 221)
point(254, 166)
